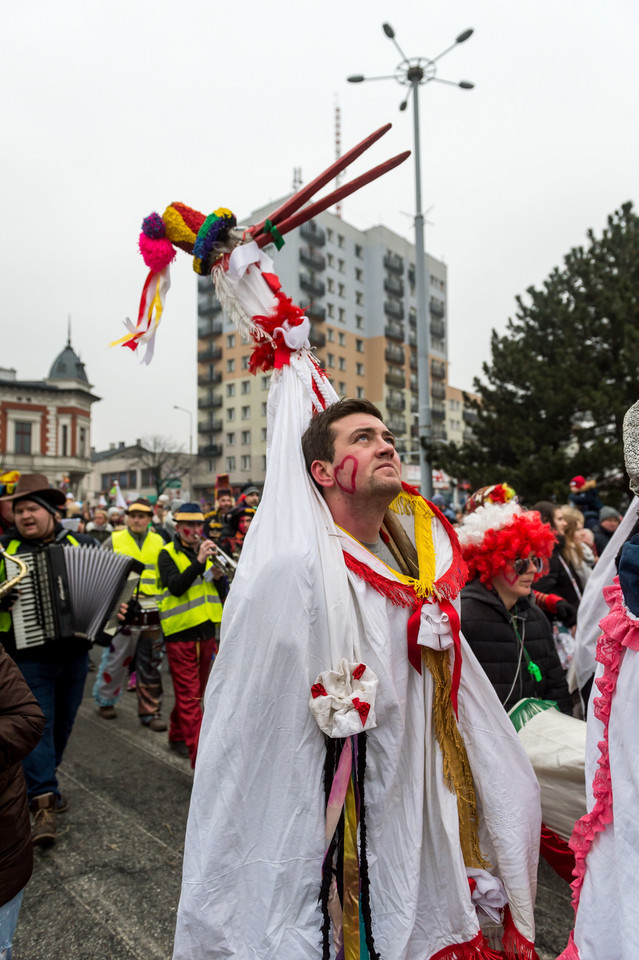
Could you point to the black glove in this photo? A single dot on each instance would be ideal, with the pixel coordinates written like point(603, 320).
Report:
point(133, 613)
point(566, 613)
point(9, 599)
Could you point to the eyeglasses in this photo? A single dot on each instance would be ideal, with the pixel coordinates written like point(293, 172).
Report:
point(521, 564)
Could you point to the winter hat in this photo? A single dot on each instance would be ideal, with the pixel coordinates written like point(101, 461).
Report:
point(609, 513)
point(493, 536)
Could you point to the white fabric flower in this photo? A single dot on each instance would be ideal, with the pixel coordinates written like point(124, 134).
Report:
point(343, 700)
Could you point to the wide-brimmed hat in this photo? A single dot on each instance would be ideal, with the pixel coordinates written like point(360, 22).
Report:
point(140, 506)
point(35, 486)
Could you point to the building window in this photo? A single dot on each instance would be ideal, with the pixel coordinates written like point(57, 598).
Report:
point(359, 275)
point(330, 360)
point(263, 435)
point(342, 363)
point(230, 340)
point(330, 310)
point(263, 409)
point(330, 285)
point(82, 452)
point(266, 382)
point(341, 315)
point(246, 436)
point(263, 462)
point(230, 413)
point(342, 388)
point(246, 386)
point(245, 362)
point(230, 439)
point(359, 321)
point(340, 289)
point(330, 335)
point(359, 346)
point(330, 259)
point(340, 240)
point(358, 251)
point(64, 441)
point(329, 235)
point(230, 389)
point(246, 413)
point(340, 266)
point(246, 461)
point(230, 464)
point(359, 298)
point(230, 365)
point(127, 479)
point(360, 393)
point(341, 339)
point(359, 368)
point(22, 436)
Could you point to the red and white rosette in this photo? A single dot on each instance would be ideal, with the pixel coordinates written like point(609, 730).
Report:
point(343, 700)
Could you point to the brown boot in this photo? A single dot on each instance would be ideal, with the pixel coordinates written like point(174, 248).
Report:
point(45, 815)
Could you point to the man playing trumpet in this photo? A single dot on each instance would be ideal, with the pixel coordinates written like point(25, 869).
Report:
point(190, 604)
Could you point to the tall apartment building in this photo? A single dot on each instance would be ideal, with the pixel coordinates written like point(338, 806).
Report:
point(358, 289)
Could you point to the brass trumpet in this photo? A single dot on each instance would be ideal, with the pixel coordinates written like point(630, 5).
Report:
point(23, 570)
point(221, 559)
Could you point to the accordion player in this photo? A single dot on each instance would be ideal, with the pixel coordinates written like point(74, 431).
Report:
point(72, 593)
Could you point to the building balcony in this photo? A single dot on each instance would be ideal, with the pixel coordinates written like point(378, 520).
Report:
point(314, 311)
point(210, 403)
point(312, 233)
point(395, 401)
point(214, 426)
point(411, 274)
point(438, 411)
point(310, 284)
point(212, 376)
point(209, 308)
point(414, 405)
point(397, 425)
point(438, 432)
point(316, 337)
point(394, 331)
point(395, 378)
point(312, 259)
point(470, 416)
point(413, 383)
point(209, 328)
point(438, 390)
point(414, 363)
point(395, 354)
point(412, 338)
point(412, 316)
point(437, 329)
point(209, 353)
point(210, 450)
point(436, 307)
point(438, 369)
point(393, 262)
point(393, 308)
point(394, 285)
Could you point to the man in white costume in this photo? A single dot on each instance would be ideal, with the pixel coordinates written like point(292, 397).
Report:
point(325, 640)
point(606, 839)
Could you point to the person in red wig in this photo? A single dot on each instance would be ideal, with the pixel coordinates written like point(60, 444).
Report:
point(506, 550)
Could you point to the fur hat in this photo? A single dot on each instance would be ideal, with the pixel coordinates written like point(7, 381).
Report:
point(495, 535)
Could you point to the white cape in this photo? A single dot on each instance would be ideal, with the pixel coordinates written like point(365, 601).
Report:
point(255, 835)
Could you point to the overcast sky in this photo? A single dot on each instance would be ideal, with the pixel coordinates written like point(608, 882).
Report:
point(112, 110)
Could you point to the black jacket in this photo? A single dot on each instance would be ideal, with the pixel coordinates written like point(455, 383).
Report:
point(560, 577)
point(64, 648)
point(488, 627)
point(179, 582)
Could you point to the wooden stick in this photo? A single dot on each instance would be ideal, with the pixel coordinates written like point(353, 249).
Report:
point(403, 543)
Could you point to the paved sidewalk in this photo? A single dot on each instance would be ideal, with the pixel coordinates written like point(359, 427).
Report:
point(109, 888)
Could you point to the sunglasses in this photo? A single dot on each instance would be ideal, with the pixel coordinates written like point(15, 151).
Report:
point(521, 564)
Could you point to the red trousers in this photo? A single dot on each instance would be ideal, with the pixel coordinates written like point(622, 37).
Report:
point(189, 663)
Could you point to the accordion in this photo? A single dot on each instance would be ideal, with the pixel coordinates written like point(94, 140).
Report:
point(72, 592)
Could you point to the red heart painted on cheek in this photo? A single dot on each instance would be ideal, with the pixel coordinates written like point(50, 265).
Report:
point(345, 473)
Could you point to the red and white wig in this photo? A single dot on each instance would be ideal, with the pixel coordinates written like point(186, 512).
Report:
point(497, 534)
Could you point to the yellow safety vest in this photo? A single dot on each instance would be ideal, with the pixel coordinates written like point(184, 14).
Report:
point(124, 542)
point(5, 615)
point(200, 604)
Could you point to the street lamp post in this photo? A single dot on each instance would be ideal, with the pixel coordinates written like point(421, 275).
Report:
point(413, 72)
point(185, 410)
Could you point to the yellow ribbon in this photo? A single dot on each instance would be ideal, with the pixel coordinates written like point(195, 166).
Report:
point(351, 875)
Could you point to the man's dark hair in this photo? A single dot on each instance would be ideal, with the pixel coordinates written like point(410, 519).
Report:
point(318, 442)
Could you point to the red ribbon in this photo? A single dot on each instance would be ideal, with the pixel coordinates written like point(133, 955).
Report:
point(415, 654)
point(318, 690)
point(362, 708)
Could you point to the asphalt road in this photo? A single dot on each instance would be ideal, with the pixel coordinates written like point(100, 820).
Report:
point(109, 888)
